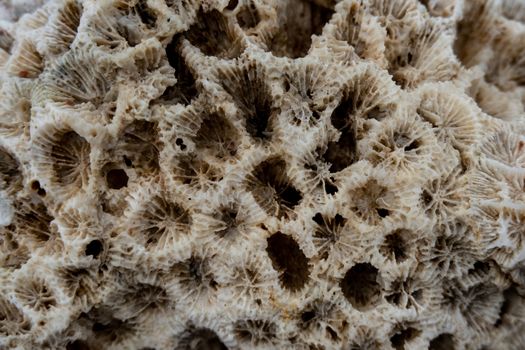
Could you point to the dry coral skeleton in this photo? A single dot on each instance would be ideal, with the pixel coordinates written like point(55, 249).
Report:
point(262, 174)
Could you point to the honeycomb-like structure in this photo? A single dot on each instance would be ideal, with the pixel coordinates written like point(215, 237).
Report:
point(262, 174)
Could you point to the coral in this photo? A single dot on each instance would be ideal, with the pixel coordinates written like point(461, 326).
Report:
point(262, 174)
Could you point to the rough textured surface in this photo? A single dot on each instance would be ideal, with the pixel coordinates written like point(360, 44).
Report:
point(198, 174)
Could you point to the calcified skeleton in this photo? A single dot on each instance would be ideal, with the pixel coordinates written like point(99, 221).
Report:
point(262, 174)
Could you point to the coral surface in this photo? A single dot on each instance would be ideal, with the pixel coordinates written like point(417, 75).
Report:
point(262, 174)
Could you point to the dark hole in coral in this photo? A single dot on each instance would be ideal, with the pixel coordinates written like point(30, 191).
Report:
point(214, 25)
point(273, 190)
point(228, 217)
point(318, 219)
point(200, 339)
point(257, 123)
point(288, 258)
point(405, 142)
point(140, 142)
point(443, 341)
point(509, 294)
point(78, 345)
point(342, 153)
point(298, 21)
point(481, 267)
point(147, 15)
point(35, 185)
point(41, 192)
point(332, 333)
point(232, 5)
point(395, 246)
point(327, 232)
point(402, 337)
point(94, 248)
point(127, 161)
point(180, 142)
point(185, 89)
point(116, 179)
point(360, 286)
point(312, 167)
point(250, 92)
point(98, 327)
point(9, 168)
point(426, 197)
point(382, 212)
point(248, 16)
point(412, 146)
point(341, 117)
point(307, 316)
point(329, 187)
point(107, 327)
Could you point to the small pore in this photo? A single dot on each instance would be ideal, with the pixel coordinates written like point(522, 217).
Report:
point(360, 286)
point(94, 248)
point(443, 341)
point(116, 179)
point(180, 142)
point(288, 258)
point(35, 185)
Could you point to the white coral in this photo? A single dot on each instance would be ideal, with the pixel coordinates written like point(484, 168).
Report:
point(261, 174)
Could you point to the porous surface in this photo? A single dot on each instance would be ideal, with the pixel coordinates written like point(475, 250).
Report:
point(258, 174)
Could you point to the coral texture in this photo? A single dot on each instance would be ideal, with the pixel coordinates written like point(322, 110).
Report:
point(262, 174)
